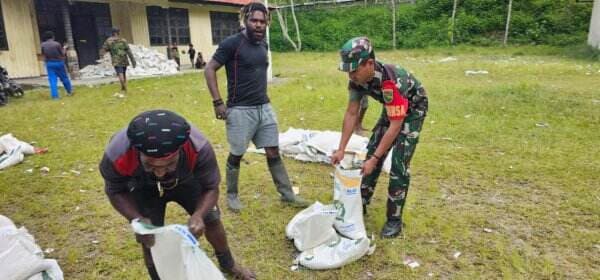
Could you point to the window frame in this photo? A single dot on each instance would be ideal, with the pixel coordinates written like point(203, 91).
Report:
point(160, 20)
point(223, 25)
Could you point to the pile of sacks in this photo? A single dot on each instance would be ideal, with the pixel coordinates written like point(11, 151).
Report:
point(331, 236)
point(318, 146)
point(149, 63)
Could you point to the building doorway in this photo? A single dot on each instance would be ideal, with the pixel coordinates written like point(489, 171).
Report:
point(90, 23)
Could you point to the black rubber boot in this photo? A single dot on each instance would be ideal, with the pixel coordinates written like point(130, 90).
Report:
point(232, 175)
point(283, 184)
point(391, 229)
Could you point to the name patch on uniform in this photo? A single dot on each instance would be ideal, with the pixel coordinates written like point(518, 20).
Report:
point(395, 111)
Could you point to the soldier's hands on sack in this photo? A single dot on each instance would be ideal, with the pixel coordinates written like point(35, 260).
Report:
point(369, 166)
point(337, 156)
point(221, 112)
point(145, 239)
point(196, 225)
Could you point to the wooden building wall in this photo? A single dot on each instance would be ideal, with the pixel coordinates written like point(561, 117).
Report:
point(23, 39)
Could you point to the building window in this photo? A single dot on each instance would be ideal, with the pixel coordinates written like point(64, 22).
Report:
point(223, 25)
point(3, 41)
point(162, 22)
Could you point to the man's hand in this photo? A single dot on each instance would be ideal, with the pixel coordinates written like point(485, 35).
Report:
point(337, 157)
point(369, 166)
point(221, 112)
point(196, 225)
point(145, 239)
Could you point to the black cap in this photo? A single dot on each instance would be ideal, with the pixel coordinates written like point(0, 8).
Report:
point(158, 133)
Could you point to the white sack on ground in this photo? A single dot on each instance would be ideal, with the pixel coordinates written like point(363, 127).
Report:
point(334, 254)
point(346, 197)
point(149, 63)
point(312, 226)
point(176, 253)
point(21, 258)
point(318, 146)
point(13, 151)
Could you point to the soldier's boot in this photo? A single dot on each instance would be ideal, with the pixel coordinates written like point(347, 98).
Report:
point(395, 204)
point(283, 184)
point(232, 175)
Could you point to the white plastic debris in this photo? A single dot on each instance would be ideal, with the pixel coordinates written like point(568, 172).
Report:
point(487, 230)
point(448, 59)
point(476, 72)
point(456, 254)
point(49, 250)
point(542, 124)
point(149, 63)
point(410, 262)
point(45, 170)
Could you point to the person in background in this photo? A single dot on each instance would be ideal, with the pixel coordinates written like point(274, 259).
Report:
point(192, 53)
point(54, 56)
point(200, 63)
point(175, 55)
point(119, 52)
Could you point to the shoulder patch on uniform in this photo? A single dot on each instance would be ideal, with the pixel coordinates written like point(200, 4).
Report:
point(388, 95)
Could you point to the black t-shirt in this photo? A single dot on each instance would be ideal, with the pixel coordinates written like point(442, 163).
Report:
point(246, 65)
point(52, 50)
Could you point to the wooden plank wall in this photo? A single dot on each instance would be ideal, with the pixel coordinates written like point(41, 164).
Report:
point(22, 36)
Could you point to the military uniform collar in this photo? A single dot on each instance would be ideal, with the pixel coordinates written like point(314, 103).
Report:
point(375, 83)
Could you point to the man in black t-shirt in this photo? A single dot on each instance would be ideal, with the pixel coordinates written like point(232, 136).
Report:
point(248, 114)
point(160, 158)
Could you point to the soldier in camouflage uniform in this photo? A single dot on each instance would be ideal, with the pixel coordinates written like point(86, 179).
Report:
point(404, 109)
point(119, 51)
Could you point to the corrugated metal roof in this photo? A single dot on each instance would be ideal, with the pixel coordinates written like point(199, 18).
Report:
point(216, 2)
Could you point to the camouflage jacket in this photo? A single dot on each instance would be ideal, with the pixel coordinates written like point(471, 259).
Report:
point(409, 87)
point(119, 51)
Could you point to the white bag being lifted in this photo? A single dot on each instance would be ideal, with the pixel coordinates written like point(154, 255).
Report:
point(312, 226)
point(176, 254)
point(346, 197)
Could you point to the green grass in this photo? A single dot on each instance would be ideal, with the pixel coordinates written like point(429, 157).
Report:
point(482, 163)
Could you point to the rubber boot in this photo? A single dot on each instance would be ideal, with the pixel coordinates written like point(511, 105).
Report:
point(232, 175)
point(283, 184)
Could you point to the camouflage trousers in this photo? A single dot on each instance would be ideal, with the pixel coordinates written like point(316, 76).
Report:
point(402, 151)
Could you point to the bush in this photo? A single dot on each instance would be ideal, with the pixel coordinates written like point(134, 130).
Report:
point(478, 22)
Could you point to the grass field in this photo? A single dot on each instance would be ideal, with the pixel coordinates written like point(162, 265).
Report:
point(515, 152)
